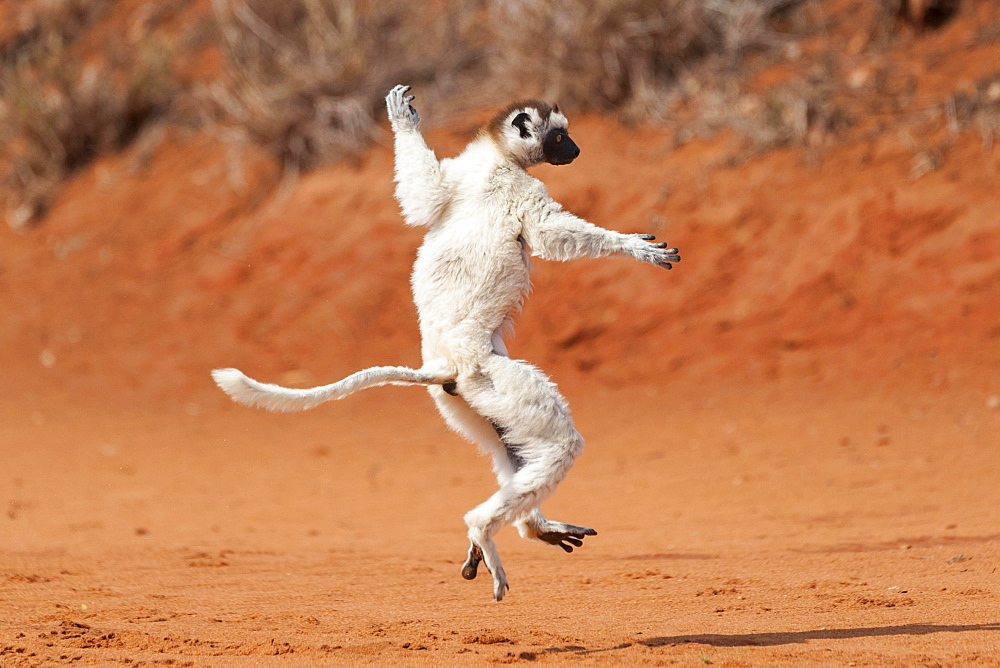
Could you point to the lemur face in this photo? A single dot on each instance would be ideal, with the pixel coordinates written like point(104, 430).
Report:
point(532, 132)
point(558, 148)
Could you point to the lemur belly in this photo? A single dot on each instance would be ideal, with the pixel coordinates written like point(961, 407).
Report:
point(460, 282)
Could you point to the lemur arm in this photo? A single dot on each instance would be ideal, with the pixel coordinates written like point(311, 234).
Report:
point(554, 234)
point(419, 184)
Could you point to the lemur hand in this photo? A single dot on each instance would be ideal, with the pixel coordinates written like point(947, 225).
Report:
point(657, 254)
point(401, 114)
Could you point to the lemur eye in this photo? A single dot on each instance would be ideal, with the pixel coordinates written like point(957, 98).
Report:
point(558, 138)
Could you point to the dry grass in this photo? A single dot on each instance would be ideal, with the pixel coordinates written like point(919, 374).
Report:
point(598, 53)
point(622, 54)
point(305, 78)
point(977, 110)
point(59, 19)
point(57, 114)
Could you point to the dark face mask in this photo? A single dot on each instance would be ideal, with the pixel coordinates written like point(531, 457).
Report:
point(558, 148)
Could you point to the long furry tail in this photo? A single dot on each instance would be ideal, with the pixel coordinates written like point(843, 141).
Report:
point(268, 396)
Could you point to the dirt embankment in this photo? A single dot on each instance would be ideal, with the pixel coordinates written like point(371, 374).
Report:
point(161, 263)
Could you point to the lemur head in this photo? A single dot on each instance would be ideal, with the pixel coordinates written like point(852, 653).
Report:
point(531, 132)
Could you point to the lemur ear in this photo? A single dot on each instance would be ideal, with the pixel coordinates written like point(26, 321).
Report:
point(521, 122)
point(555, 109)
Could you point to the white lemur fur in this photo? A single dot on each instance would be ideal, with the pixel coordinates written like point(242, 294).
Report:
point(485, 216)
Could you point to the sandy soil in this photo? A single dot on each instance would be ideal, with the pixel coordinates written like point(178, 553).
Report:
point(741, 526)
point(792, 436)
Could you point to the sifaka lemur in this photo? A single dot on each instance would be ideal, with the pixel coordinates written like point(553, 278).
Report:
point(485, 217)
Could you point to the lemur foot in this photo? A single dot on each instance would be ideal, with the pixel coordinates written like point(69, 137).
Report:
point(471, 567)
point(500, 585)
point(565, 536)
point(657, 254)
point(402, 115)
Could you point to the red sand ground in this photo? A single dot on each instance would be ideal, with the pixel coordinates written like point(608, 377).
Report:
point(792, 436)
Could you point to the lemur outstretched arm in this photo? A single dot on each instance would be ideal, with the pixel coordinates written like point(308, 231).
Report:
point(419, 185)
point(554, 234)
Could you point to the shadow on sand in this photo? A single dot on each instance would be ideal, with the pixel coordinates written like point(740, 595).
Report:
point(783, 638)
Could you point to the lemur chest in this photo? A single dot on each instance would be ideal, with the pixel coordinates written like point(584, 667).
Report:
point(471, 263)
point(473, 250)
point(478, 249)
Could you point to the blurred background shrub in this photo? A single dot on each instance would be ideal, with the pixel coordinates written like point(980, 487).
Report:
point(305, 78)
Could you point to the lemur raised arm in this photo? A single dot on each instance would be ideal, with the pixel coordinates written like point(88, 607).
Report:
point(485, 216)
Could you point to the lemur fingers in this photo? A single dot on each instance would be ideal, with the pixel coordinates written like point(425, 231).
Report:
point(657, 253)
point(401, 112)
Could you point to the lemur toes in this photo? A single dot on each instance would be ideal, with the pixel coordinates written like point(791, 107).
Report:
point(500, 587)
point(567, 539)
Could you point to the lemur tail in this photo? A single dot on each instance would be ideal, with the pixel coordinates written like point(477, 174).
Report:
point(246, 390)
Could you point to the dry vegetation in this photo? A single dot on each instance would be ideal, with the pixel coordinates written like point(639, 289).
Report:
point(624, 54)
point(57, 112)
point(305, 78)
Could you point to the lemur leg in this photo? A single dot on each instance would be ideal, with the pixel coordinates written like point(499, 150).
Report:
point(490, 438)
point(533, 424)
point(474, 427)
point(528, 487)
point(477, 429)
